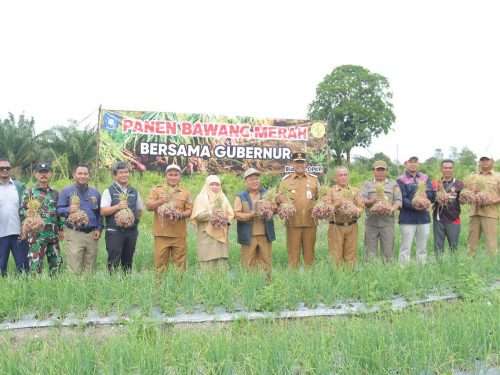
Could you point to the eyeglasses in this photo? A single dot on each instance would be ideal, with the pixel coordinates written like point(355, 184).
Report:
point(5, 168)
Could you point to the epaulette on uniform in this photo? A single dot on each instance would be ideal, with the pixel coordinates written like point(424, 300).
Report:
point(286, 176)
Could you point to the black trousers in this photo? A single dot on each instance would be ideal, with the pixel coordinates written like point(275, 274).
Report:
point(443, 231)
point(120, 245)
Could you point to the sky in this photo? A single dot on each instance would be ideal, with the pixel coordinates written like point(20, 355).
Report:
point(60, 60)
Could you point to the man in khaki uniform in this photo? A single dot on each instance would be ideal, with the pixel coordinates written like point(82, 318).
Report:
point(170, 235)
point(380, 228)
point(343, 230)
point(302, 190)
point(255, 235)
point(484, 219)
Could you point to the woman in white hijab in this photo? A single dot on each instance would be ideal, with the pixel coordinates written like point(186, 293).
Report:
point(213, 247)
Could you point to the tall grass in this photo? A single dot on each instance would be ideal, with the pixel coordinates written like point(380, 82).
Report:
point(195, 290)
point(323, 283)
point(430, 341)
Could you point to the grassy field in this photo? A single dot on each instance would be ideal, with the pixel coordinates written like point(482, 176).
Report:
point(432, 340)
point(194, 290)
point(429, 340)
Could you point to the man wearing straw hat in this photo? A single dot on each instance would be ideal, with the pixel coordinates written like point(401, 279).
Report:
point(255, 234)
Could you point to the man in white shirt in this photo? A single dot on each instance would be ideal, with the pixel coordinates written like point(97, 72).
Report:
point(10, 223)
point(120, 241)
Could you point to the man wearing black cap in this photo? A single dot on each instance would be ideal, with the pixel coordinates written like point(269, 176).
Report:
point(484, 219)
point(46, 242)
point(301, 189)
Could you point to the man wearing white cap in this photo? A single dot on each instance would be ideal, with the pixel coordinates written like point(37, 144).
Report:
point(255, 234)
point(484, 218)
point(172, 205)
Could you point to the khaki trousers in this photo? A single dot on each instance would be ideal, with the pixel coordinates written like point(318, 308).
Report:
point(257, 254)
point(81, 251)
point(486, 226)
point(379, 234)
point(170, 250)
point(300, 238)
point(342, 243)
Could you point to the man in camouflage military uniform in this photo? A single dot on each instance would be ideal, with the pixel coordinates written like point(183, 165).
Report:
point(302, 189)
point(46, 242)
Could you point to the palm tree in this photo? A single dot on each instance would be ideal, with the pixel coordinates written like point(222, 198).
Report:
point(18, 142)
point(77, 146)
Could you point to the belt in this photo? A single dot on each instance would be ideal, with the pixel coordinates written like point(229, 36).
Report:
point(343, 224)
point(84, 229)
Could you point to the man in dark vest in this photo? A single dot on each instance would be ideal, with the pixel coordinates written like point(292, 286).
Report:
point(120, 240)
point(255, 234)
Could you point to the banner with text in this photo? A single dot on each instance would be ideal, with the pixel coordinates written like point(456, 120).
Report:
point(208, 143)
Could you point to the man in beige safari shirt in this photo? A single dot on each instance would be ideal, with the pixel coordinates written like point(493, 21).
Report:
point(484, 219)
point(380, 228)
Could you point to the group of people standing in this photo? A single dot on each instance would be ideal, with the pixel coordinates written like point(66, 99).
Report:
point(118, 210)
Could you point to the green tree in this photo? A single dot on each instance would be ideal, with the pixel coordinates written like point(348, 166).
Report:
point(67, 146)
point(356, 104)
point(18, 142)
point(467, 158)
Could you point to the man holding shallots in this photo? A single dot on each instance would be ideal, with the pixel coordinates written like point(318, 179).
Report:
point(446, 210)
point(172, 205)
point(485, 212)
point(42, 226)
point(343, 229)
point(382, 198)
point(122, 206)
point(79, 205)
point(414, 218)
point(298, 193)
point(254, 209)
